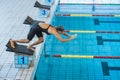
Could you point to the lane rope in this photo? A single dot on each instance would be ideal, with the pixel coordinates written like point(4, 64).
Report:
point(84, 56)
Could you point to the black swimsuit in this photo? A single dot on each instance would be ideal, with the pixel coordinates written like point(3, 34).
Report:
point(37, 30)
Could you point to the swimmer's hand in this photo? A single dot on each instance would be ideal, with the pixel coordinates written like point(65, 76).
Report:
point(73, 36)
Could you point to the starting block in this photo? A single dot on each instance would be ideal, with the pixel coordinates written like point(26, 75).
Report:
point(44, 10)
point(23, 57)
point(30, 21)
point(37, 4)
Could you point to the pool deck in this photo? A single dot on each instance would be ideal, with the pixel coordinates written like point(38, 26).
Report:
point(12, 16)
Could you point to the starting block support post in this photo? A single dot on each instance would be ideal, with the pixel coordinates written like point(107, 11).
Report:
point(23, 60)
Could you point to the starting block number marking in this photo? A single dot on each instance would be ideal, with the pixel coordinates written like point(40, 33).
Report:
point(43, 12)
point(22, 59)
point(50, 2)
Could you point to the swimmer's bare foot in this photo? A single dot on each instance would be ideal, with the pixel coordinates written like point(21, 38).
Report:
point(12, 43)
point(31, 48)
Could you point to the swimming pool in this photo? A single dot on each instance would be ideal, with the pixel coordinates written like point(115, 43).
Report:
point(93, 55)
point(52, 68)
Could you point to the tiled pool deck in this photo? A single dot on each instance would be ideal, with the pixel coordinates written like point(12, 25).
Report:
point(12, 16)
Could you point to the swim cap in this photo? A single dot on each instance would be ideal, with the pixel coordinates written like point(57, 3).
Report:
point(59, 28)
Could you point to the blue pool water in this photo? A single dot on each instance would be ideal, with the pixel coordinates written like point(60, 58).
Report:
point(51, 68)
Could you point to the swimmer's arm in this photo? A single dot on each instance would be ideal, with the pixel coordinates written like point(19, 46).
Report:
point(65, 34)
point(57, 35)
point(61, 39)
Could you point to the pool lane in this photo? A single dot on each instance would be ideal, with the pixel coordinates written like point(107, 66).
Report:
point(88, 9)
point(85, 56)
point(92, 31)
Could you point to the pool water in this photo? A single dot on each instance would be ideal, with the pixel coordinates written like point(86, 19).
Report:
point(86, 44)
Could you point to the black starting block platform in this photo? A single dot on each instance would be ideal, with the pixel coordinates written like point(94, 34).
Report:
point(37, 4)
point(20, 49)
point(31, 21)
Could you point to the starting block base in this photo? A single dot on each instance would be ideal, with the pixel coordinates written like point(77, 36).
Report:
point(23, 61)
point(43, 13)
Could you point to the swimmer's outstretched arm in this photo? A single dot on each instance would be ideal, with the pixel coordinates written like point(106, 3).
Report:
point(57, 35)
point(65, 34)
point(64, 40)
